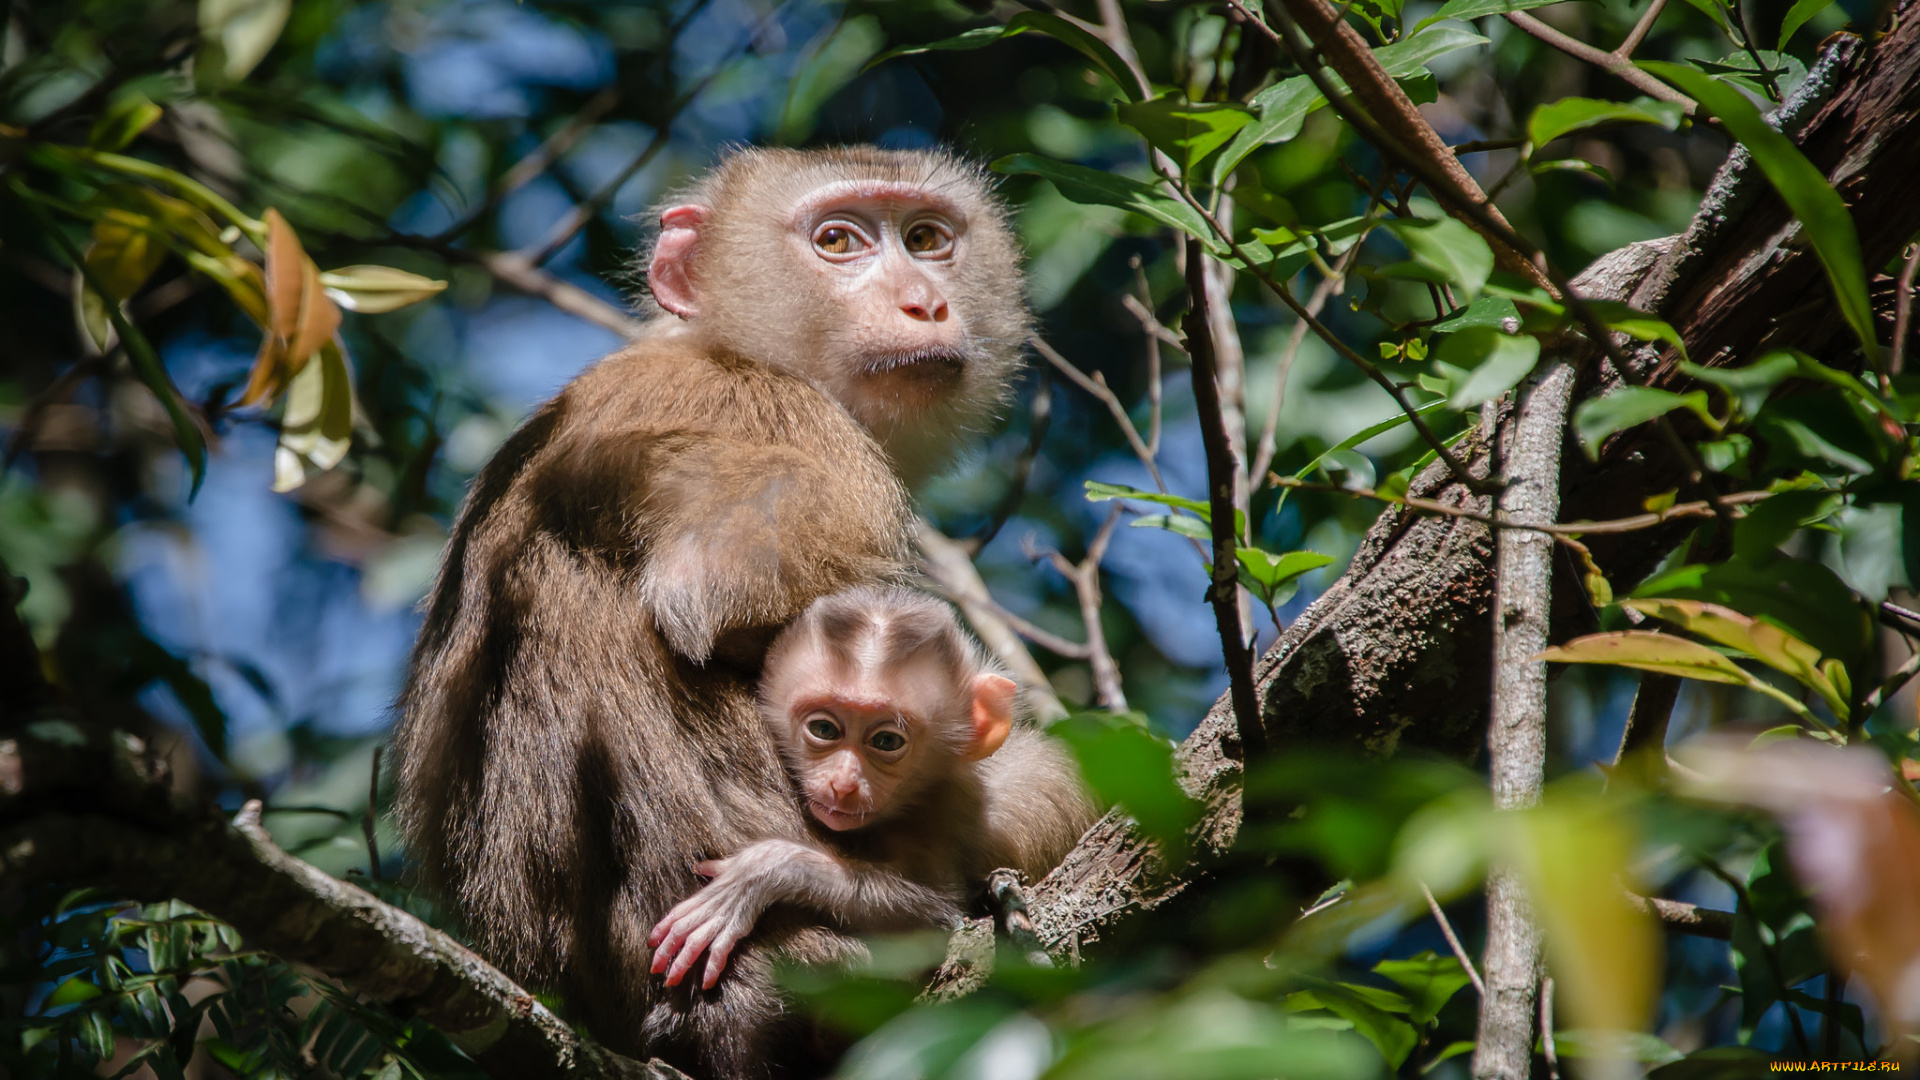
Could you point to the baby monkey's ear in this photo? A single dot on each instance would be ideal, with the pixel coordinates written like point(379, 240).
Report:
point(667, 276)
point(992, 714)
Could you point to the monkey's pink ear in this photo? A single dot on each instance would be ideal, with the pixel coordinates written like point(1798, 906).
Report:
point(992, 714)
point(667, 277)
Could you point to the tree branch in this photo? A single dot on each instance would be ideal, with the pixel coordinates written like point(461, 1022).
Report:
point(1615, 64)
point(1222, 468)
point(1517, 736)
point(86, 806)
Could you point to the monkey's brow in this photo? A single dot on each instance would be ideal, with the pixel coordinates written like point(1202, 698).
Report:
point(842, 190)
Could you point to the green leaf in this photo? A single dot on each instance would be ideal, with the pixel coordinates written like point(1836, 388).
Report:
point(1128, 765)
point(1806, 192)
point(1447, 246)
point(1099, 491)
point(1571, 164)
point(837, 61)
point(1648, 651)
point(1283, 107)
point(72, 992)
point(1053, 26)
point(1631, 406)
point(374, 289)
point(1429, 979)
point(1361, 1006)
point(317, 427)
point(1474, 9)
point(1638, 324)
point(1568, 115)
point(1498, 362)
point(1362, 436)
point(1185, 131)
point(1093, 186)
point(1767, 525)
point(1497, 312)
point(244, 29)
point(1748, 386)
point(1798, 16)
point(123, 121)
point(1273, 578)
point(1192, 528)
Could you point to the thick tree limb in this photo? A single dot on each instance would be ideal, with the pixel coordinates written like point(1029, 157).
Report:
point(1398, 650)
point(92, 807)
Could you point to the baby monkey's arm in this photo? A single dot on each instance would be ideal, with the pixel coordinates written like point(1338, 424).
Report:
point(713, 920)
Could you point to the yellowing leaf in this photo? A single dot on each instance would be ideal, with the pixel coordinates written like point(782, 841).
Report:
point(1649, 651)
point(1855, 846)
point(1763, 641)
point(300, 317)
point(374, 289)
point(1573, 851)
point(123, 254)
point(317, 427)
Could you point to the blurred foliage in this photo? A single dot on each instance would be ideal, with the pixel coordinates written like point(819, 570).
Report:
point(230, 472)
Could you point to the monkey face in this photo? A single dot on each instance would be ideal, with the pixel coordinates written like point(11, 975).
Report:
point(854, 757)
point(888, 278)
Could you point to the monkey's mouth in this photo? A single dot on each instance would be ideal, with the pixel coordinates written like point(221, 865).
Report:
point(835, 819)
point(937, 365)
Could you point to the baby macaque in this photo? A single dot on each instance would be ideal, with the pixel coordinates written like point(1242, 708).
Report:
point(889, 720)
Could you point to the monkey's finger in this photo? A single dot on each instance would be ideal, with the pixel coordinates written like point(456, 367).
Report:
point(696, 944)
point(717, 956)
point(711, 868)
point(669, 947)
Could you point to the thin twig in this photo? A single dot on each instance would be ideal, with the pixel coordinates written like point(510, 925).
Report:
point(35, 414)
point(948, 564)
point(514, 269)
point(1085, 577)
point(1156, 331)
point(1680, 917)
point(1327, 288)
point(1640, 30)
point(1617, 66)
point(1221, 469)
point(1901, 676)
point(584, 212)
point(1097, 386)
point(1902, 313)
point(1453, 941)
point(1039, 419)
point(1320, 329)
point(1153, 358)
point(539, 161)
point(1546, 1028)
point(1570, 528)
point(367, 821)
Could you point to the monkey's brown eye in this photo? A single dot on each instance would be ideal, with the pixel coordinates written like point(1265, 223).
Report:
point(838, 240)
point(927, 239)
point(887, 741)
point(823, 729)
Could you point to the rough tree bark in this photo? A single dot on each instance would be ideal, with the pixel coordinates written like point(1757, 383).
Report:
point(1398, 652)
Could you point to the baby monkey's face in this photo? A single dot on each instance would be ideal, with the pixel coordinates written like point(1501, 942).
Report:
point(855, 752)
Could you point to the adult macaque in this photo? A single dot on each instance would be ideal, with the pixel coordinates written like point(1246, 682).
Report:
point(889, 720)
point(579, 725)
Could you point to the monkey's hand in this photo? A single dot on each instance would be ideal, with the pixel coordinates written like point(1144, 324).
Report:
point(714, 919)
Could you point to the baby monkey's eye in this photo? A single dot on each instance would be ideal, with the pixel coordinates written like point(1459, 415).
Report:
point(926, 238)
point(837, 240)
point(823, 729)
point(887, 741)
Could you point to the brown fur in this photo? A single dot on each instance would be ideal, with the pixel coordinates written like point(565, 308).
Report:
point(936, 814)
point(579, 725)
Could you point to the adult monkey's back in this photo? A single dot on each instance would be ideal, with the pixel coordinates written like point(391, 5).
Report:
point(579, 724)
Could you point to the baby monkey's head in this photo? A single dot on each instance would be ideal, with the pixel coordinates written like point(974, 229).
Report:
point(875, 695)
